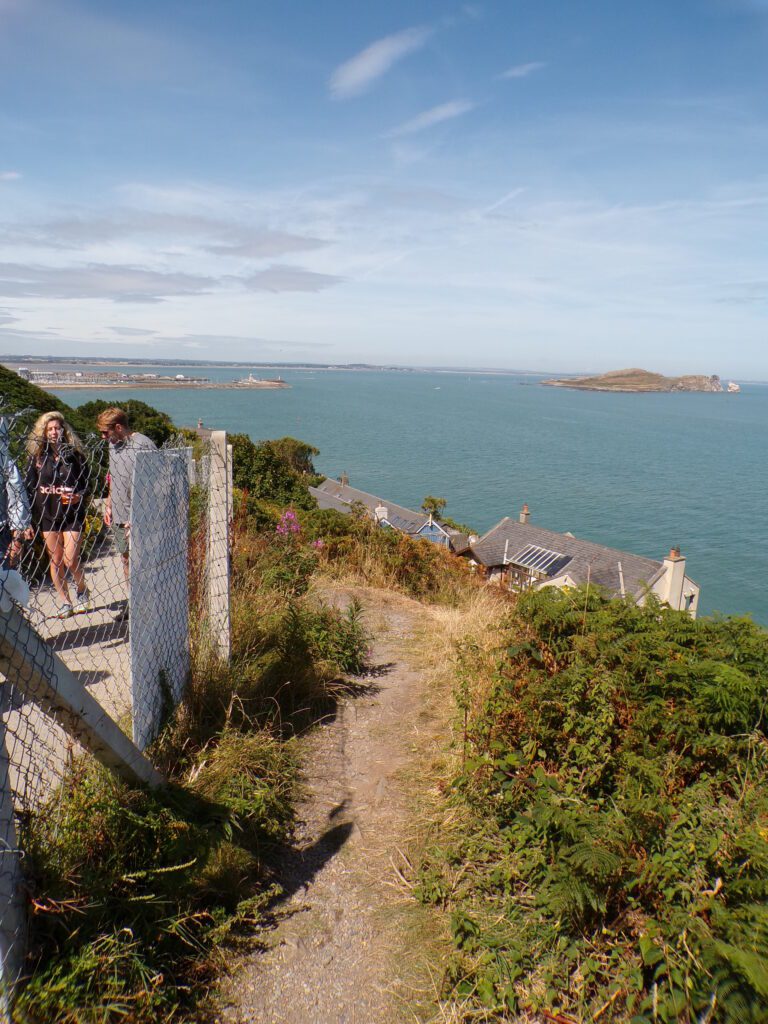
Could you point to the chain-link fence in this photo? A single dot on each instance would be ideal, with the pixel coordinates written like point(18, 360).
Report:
point(99, 648)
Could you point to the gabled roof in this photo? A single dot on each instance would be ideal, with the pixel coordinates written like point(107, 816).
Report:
point(586, 560)
point(404, 519)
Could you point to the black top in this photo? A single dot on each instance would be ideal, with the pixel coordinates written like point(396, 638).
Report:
point(58, 488)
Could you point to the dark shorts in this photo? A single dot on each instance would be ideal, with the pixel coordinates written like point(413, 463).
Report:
point(120, 535)
point(5, 541)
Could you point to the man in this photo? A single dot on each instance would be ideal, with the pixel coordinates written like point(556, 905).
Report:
point(15, 518)
point(124, 443)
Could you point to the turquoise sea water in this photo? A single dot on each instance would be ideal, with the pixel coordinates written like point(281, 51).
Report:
point(637, 472)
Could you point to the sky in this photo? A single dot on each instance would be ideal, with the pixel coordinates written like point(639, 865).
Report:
point(558, 186)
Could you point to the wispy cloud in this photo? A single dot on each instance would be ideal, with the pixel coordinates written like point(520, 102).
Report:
point(281, 278)
point(131, 332)
point(9, 175)
point(221, 236)
point(354, 76)
point(99, 281)
point(523, 70)
point(431, 117)
point(264, 244)
point(239, 340)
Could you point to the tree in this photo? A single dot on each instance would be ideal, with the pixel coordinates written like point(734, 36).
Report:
point(142, 417)
point(260, 470)
point(433, 506)
point(297, 455)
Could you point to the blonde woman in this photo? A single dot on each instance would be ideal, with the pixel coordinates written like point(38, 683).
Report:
point(57, 484)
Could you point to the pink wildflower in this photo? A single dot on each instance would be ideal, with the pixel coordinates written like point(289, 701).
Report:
point(288, 523)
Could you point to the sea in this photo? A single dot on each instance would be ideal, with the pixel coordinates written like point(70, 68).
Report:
point(638, 472)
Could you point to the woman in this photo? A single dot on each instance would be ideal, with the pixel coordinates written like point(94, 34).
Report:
point(57, 485)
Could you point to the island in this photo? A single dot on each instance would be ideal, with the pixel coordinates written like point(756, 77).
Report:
point(641, 381)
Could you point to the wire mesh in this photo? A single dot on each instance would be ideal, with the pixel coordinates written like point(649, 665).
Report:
point(109, 607)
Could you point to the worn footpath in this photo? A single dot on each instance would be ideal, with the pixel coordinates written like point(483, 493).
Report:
point(348, 949)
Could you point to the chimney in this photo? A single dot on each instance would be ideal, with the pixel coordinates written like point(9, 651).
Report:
point(525, 515)
point(344, 480)
point(380, 512)
point(671, 591)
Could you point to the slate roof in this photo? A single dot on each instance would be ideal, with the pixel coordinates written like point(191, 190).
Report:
point(404, 519)
point(600, 562)
point(325, 500)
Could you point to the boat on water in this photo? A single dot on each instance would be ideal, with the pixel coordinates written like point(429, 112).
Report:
point(733, 387)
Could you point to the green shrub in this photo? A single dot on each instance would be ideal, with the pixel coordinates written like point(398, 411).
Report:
point(616, 769)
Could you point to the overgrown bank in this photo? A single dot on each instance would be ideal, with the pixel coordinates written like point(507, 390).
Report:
point(603, 854)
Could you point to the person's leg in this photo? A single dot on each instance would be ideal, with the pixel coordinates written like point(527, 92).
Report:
point(120, 536)
point(54, 544)
point(73, 542)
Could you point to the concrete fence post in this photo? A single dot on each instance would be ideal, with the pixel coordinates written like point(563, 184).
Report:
point(218, 570)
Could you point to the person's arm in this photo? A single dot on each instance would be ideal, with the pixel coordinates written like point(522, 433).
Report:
point(19, 514)
point(108, 502)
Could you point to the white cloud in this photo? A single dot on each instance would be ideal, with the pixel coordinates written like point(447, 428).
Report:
point(281, 278)
point(103, 281)
point(220, 235)
point(9, 175)
point(431, 117)
point(357, 74)
point(132, 332)
point(523, 70)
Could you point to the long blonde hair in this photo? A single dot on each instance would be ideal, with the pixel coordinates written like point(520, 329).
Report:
point(37, 440)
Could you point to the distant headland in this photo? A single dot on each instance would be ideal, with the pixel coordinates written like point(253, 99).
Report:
point(641, 381)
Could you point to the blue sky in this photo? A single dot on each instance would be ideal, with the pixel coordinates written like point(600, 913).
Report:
point(553, 185)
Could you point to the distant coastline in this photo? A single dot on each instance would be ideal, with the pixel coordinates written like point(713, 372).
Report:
point(57, 380)
point(167, 385)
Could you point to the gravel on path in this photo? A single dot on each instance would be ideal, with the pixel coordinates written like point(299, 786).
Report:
point(339, 954)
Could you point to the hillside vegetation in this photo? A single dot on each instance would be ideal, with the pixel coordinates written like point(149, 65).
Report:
point(603, 851)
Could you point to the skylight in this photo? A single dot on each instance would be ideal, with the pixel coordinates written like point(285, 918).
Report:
point(539, 560)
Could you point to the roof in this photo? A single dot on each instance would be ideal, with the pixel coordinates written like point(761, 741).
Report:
point(328, 501)
point(585, 560)
point(404, 519)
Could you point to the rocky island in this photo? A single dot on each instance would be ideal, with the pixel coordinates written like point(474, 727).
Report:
point(641, 380)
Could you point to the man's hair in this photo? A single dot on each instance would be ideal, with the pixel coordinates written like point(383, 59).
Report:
point(111, 418)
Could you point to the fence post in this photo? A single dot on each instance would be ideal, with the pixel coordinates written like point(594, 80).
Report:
point(41, 676)
point(219, 498)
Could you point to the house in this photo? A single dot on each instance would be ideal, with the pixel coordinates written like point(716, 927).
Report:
point(338, 495)
point(519, 555)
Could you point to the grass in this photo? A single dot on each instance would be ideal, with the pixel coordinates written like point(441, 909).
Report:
point(139, 896)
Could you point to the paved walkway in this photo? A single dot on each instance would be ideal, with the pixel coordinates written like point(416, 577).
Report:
point(95, 648)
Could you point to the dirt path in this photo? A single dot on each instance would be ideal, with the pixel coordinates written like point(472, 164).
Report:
point(337, 956)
